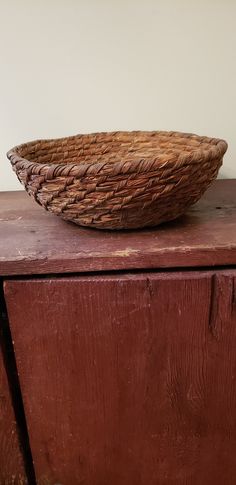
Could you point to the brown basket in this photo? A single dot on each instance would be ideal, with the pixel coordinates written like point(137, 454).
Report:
point(118, 180)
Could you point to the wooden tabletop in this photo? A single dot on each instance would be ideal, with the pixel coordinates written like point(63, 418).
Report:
point(33, 241)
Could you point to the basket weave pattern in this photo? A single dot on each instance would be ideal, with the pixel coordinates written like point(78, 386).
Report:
point(118, 180)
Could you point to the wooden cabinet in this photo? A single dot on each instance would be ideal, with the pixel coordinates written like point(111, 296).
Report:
point(128, 379)
point(125, 346)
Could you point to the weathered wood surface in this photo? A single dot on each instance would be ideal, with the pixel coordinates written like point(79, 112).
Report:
point(33, 241)
point(12, 470)
point(129, 379)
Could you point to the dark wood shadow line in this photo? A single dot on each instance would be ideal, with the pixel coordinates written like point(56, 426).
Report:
point(15, 390)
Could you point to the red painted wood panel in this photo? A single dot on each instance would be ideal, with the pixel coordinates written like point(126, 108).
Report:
point(12, 470)
point(129, 379)
point(35, 242)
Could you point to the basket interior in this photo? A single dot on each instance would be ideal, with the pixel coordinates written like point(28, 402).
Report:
point(111, 147)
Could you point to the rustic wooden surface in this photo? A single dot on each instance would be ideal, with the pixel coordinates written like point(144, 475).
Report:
point(129, 379)
point(33, 241)
point(11, 461)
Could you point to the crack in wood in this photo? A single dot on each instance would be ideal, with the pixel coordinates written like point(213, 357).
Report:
point(213, 307)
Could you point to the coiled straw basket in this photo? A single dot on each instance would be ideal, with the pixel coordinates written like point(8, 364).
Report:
point(118, 180)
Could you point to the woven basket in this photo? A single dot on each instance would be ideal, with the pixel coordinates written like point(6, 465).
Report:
point(118, 180)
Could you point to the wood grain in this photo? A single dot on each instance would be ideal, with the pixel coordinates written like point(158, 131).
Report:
point(35, 242)
point(129, 379)
point(12, 470)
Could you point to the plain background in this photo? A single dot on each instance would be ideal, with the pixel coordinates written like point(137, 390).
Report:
point(76, 66)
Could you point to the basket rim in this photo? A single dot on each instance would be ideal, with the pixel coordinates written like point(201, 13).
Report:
point(216, 150)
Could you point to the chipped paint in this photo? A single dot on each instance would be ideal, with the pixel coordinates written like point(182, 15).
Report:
point(125, 252)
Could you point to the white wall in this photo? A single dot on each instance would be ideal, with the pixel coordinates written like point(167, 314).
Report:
point(91, 65)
